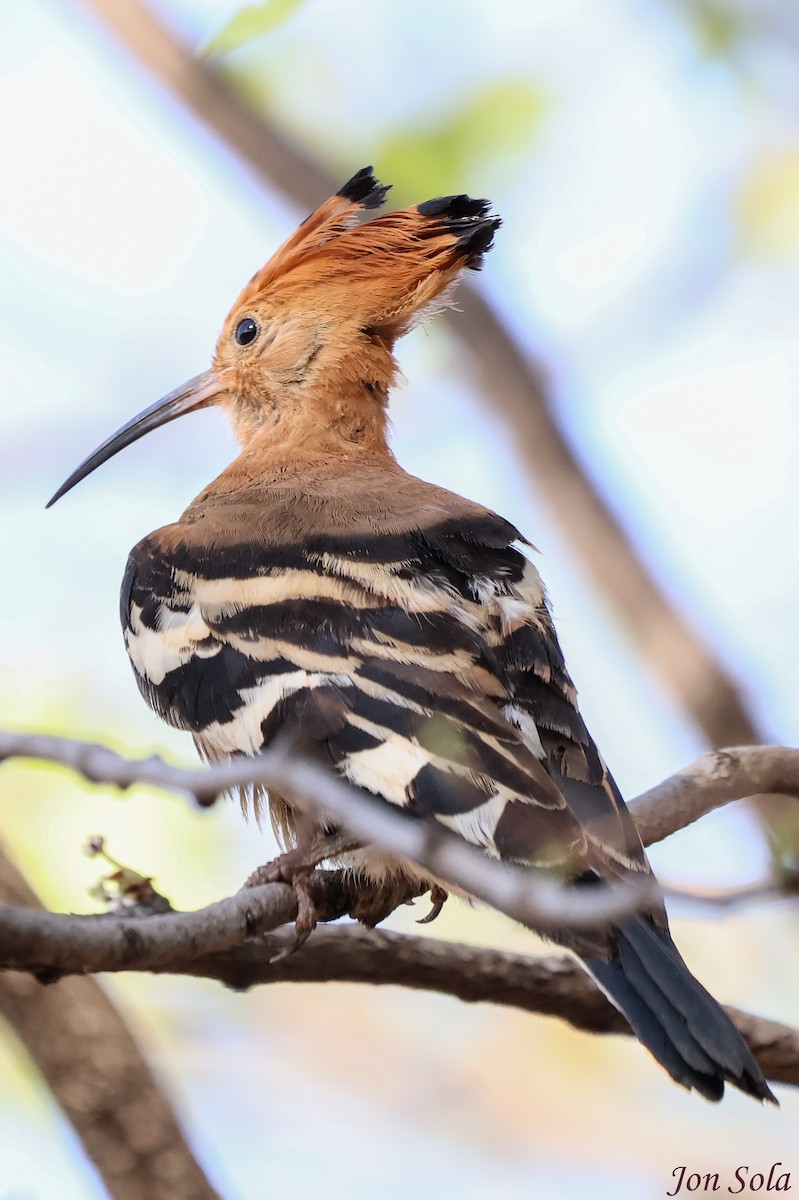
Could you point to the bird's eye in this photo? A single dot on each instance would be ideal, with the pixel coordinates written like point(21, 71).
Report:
point(246, 331)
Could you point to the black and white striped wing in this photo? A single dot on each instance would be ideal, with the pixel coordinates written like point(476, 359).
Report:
point(422, 663)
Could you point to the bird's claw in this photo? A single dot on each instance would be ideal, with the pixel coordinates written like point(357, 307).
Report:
point(438, 898)
point(296, 868)
point(306, 919)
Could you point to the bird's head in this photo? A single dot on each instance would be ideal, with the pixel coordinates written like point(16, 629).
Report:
point(308, 346)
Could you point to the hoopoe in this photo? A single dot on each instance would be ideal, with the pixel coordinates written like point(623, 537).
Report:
point(315, 589)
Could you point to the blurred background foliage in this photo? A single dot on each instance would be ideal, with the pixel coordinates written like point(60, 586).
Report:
point(644, 155)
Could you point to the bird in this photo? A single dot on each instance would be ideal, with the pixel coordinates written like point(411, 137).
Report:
point(400, 632)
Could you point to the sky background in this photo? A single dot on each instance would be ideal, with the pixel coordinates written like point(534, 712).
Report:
point(648, 181)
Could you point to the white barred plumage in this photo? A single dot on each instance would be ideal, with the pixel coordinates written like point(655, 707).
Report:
point(392, 629)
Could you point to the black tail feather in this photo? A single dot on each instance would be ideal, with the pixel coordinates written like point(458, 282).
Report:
point(670, 1012)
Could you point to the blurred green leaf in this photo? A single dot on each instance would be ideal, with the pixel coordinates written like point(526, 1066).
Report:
point(250, 22)
point(767, 206)
point(499, 120)
point(726, 29)
point(718, 29)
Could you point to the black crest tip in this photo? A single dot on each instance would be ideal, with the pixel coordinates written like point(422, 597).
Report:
point(455, 208)
point(477, 242)
point(364, 189)
point(470, 221)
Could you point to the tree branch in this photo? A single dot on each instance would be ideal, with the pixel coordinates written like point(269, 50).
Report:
point(96, 1072)
point(524, 896)
point(235, 939)
point(711, 781)
point(552, 986)
point(53, 944)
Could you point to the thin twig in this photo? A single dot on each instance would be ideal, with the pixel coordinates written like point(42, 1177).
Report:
point(729, 898)
point(711, 781)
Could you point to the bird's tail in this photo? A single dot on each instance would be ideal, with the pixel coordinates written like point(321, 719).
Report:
point(670, 1012)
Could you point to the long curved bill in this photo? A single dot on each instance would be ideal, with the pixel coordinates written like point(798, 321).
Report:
point(198, 392)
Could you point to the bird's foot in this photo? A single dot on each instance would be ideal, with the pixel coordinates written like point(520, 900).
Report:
point(376, 901)
point(306, 919)
point(301, 860)
point(296, 868)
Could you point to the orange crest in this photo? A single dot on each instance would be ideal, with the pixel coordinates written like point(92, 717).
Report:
point(382, 275)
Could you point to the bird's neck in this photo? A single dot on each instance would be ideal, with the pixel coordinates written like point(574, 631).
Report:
point(351, 414)
point(334, 430)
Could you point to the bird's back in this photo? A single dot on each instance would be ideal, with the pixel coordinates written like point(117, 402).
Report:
point(408, 621)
